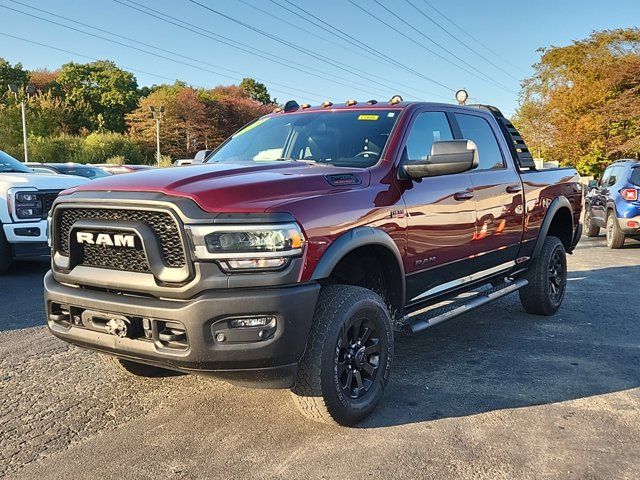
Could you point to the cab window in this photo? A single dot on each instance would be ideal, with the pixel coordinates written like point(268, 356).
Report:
point(478, 129)
point(427, 128)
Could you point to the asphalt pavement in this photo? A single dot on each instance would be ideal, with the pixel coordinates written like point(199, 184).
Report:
point(493, 394)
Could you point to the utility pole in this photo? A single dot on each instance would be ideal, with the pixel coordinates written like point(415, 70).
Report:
point(157, 116)
point(30, 89)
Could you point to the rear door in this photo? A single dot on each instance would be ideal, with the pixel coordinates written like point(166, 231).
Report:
point(441, 213)
point(498, 196)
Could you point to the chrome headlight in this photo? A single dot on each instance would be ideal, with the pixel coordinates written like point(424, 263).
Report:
point(247, 247)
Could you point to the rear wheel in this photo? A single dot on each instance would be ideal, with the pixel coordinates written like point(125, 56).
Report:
point(615, 236)
point(591, 230)
point(345, 368)
point(135, 368)
point(6, 256)
point(547, 280)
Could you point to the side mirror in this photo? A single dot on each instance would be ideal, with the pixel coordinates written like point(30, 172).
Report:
point(446, 158)
point(592, 184)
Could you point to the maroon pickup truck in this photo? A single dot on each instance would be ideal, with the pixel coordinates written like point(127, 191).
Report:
point(289, 259)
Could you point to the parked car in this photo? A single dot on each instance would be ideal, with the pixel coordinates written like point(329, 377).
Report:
point(289, 259)
point(182, 162)
point(612, 203)
point(25, 200)
point(70, 168)
point(201, 156)
point(115, 169)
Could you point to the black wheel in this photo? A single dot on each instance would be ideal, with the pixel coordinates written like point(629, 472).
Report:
point(590, 229)
point(6, 256)
point(615, 236)
point(547, 280)
point(135, 368)
point(345, 368)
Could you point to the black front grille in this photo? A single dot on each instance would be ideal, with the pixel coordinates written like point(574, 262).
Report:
point(47, 201)
point(163, 225)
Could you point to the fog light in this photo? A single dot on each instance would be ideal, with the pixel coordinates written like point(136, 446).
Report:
point(252, 322)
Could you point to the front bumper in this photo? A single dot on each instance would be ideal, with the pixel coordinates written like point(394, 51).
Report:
point(266, 363)
point(25, 232)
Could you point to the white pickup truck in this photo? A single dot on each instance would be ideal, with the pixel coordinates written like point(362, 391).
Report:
point(25, 201)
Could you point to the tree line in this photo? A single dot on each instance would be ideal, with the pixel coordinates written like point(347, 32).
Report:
point(581, 107)
point(96, 112)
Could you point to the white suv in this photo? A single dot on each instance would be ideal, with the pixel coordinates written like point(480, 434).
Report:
point(25, 201)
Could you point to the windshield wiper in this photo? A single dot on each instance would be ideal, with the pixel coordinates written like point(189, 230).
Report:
point(289, 159)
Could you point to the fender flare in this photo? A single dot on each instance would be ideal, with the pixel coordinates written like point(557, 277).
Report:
point(349, 241)
point(556, 205)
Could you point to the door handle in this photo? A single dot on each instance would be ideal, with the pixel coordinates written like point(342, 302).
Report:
point(464, 195)
point(514, 188)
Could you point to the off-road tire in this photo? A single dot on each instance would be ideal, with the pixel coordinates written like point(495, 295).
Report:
point(615, 236)
point(128, 367)
point(590, 230)
point(538, 296)
point(319, 391)
point(6, 255)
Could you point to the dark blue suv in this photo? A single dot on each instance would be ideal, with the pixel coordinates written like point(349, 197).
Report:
point(612, 203)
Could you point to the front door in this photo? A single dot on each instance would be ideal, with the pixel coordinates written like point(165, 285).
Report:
point(498, 195)
point(441, 214)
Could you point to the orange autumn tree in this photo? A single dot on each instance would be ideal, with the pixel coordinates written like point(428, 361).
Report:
point(581, 107)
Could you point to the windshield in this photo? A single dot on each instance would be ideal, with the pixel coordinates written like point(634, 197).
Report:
point(86, 172)
point(340, 138)
point(9, 164)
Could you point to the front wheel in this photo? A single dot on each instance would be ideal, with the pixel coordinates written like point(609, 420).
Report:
point(345, 368)
point(547, 280)
point(591, 230)
point(615, 236)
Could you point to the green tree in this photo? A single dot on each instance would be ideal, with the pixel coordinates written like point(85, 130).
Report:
point(582, 104)
point(99, 88)
point(256, 91)
point(9, 74)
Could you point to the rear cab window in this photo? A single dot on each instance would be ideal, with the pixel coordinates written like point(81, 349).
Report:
point(479, 130)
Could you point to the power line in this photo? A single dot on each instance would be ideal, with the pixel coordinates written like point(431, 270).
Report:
point(250, 49)
point(475, 39)
point(81, 55)
point(312, 94)
point(358, 43)
point(481, 75)
point(317, 56)
point(120, 43)
point(421, 12)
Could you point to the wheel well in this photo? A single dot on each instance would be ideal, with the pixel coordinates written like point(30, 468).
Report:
point(561, 227)
point(374, 267)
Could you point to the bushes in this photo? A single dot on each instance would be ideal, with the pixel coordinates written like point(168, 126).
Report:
point(94, 148)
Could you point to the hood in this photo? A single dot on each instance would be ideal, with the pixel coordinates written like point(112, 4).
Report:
point(234, 187)
point(39, 181)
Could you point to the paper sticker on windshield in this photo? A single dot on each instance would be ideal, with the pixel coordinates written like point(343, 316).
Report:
point(252, 126)
point(368, 117)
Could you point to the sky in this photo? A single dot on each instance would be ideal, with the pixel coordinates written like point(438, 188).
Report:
point(410, 49)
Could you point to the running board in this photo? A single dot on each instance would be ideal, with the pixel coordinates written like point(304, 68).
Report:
point(439, 314)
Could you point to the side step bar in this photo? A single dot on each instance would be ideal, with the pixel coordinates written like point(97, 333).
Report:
point(440, 314)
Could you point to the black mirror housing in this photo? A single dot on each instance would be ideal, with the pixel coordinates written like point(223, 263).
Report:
point(446, 158)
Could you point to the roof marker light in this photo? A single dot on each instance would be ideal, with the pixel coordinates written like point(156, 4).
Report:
point(326, 104)
point(291, 106)
point(277, 110)
point(305, 105)
point(372, 102)
point(395, 99)
point(351, 103)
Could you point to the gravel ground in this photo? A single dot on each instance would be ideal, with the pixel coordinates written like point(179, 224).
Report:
point(494, 394)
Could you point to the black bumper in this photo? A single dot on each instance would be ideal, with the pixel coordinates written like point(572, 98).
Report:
point(30, 250)
point(269, 363)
